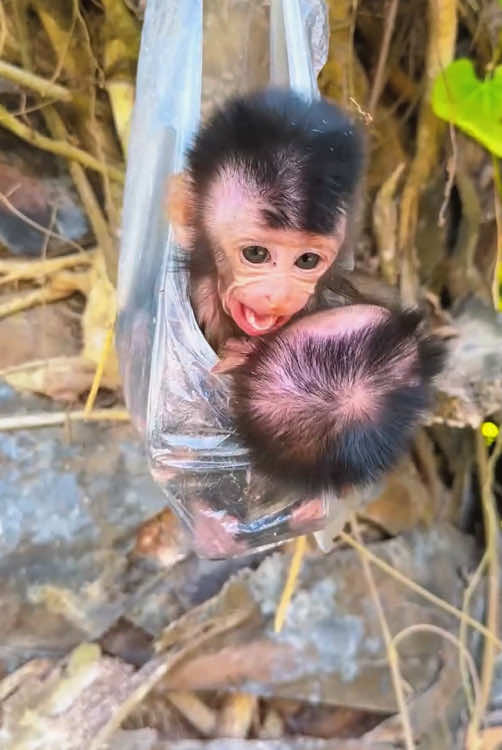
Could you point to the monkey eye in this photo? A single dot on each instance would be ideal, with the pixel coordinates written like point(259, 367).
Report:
point(308, 261)
point(256, 254)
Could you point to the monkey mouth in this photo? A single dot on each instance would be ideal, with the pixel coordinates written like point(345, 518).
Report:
point(252, 322)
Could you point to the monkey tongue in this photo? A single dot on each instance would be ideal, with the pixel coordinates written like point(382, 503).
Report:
point(251, 322)
point(259, 322)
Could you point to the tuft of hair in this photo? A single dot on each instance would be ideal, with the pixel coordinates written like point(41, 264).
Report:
point(327, 413)
point(304, 157)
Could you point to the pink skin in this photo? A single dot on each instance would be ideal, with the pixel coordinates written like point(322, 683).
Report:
point(239, 312)
point(309, 515)
point(325, 323)
point(261, 297)
point(214, 533)
point(258, 297)
point(339, 320)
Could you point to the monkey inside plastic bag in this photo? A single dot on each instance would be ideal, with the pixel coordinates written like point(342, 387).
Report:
point(194, 55)
point(363, 364)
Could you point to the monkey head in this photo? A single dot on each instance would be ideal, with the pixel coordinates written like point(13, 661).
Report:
point(264, 204)
point(332, 400)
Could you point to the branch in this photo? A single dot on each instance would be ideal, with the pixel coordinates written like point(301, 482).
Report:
point(61, 148)
point(52, 419)
point(32, 81)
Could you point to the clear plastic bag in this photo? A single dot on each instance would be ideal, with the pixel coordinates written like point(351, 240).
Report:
point(193, 56)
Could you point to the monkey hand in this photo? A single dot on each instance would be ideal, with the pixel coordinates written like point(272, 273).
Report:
point(233, 355)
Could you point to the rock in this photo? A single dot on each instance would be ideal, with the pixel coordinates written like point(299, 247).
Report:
point(471, 385)
point(331, 648)
point(69, 508)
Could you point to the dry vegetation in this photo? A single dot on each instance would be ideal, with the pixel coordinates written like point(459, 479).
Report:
point(431, 229)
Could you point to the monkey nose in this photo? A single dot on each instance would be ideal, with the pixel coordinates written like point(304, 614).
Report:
point(274, 307)
point(276, 300)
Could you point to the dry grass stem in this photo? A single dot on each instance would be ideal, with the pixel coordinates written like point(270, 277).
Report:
point(58, 147)
point(294, 570)
point(486, 469)
point(42, 86)
point(392, 655)
point(49, 293)
point(468, 594)
point(442, 33)
point(99, 372)
point(496, 285)
point(52, 419)
point(48, 233)
point(379, 80)
point(465, 654)
point(446, 606)
point(26, 270)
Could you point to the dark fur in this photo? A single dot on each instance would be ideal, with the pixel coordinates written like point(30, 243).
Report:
point(307, 158)
point(313, 448)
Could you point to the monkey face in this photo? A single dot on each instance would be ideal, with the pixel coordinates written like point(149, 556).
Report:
point(265, 274)
point(271, 277)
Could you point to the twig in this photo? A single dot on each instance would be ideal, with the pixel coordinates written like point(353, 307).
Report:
point(61, 148)
point(47, 232)
point(88, 198)
point(442, 32)
point(18, 270)
point(49, 293)
point(392, 655)
point(451, 168)
point(61, 54)
point(99, 372)
point(35, 82)
point(43, 259)
point(385, 225)
point(32, 421)
point(441, 603)
point(57, 128)
point(486, 468)
point(3, 28)
point(294, 569)
point(378, 82)
point(468, 593)
point(497, 274)
point(426, 628)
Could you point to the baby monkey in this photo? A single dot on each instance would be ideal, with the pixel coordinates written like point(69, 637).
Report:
point(332, 400)
point(263, 209)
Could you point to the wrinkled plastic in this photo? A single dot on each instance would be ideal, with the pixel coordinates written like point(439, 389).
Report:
point(193, 56)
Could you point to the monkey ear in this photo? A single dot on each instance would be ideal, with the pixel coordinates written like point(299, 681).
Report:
point(178, 204)
point(235, 352)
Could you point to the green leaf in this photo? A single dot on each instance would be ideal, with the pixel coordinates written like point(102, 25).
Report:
point(473, 105)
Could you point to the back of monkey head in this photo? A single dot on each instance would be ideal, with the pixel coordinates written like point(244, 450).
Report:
point(325, 413)
point(303, 158)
